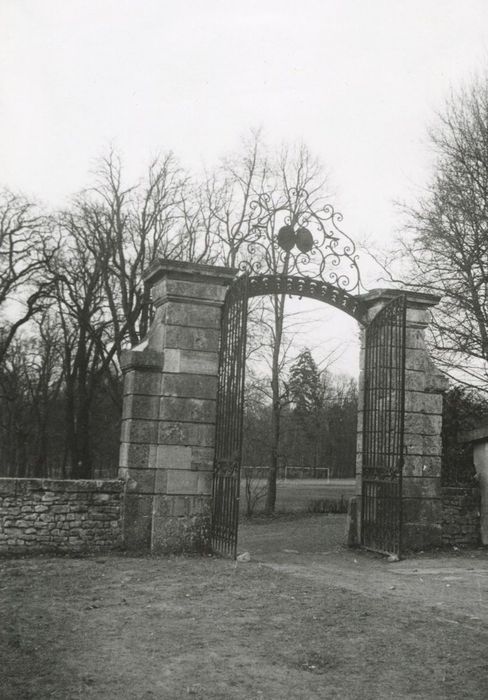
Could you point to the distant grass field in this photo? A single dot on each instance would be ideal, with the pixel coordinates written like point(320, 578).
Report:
point(296, 494)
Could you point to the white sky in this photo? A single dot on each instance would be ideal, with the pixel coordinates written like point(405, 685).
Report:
point(358, 81)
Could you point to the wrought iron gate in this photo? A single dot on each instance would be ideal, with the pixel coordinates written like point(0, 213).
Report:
point(230, 410)
point(383, 427)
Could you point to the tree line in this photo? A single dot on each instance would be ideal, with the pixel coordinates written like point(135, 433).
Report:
point(72, 297)
point(318, 421)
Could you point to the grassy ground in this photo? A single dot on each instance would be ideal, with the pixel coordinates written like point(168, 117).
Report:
point(123, 627)
point(296, 494)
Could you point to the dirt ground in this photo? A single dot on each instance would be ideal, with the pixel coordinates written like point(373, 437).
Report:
point(304, 619)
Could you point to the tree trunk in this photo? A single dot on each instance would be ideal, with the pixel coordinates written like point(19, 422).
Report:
point(83, 466)
point(279, 308)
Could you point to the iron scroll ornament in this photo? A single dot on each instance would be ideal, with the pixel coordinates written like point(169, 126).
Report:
point(308, 243)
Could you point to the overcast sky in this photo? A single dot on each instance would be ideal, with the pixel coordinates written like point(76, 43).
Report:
point(358, 81)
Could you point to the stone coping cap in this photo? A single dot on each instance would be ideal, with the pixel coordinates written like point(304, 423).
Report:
point(186, 270)
point(477, 434)
point(420, 299)
point(13, 486)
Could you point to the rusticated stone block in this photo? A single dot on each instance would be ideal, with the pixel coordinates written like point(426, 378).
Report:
point(182, 338)
point(182, 482)
point(137, 455)
point(414, 338)
point(180, 506)
point(428, 445)
point(141, 431)
point(421, 487)
point(174, 457)
point(202, 458)
point(204, 484)
point(141, 361)
point(416, 359)
point(414, 380)
point(191, 362)
point(189, 386)
point(192, 315)
point(422, 510)
point(423, 423)
point(147, 383)
point(186, 409)
point(422, 465)
point(198, 434)
point(176, 535)
point(421, 402)
point(137, 521)
point(141, 481)
point(200, 505)
point(417, 317)
point(435, 381)
point(140, 407)
point(160, 481)
point(416, 536)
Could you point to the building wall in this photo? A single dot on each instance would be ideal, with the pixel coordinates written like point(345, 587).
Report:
point(60, 515)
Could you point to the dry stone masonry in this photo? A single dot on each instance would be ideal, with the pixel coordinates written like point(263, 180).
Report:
point(59, 515)
point(461, 516)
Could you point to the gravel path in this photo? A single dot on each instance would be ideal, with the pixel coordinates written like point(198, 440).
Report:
point(454, 583)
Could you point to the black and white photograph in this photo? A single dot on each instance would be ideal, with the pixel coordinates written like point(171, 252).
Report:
point(243, 350)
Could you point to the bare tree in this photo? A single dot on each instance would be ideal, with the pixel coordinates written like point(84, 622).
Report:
point(30, 380)
point(26, 246)
point(127, 227)
point(111, 233)
point(447, 242)
point(251, 196)
point(81, 312)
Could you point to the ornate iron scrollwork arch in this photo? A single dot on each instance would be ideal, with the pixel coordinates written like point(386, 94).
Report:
point(291, 248)
point(299, 238)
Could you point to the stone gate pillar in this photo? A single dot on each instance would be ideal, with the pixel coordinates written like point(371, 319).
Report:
point(168, 421)
point(424, 384)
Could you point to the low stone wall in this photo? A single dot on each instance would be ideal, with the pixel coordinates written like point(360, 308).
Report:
point(60, 515)
point(461, 516)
